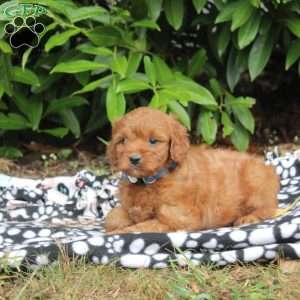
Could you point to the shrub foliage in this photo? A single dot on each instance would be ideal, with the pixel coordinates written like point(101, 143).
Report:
point(98, 59)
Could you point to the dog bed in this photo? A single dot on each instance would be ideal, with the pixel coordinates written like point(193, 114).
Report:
point(41, 218)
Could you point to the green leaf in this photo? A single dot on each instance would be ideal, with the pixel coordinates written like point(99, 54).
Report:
point(134, 61)
point(227, 11)
point(2, 25)
point(199, 5)
point(248, 31)
point(266, 24)
point(293, 54)
point(150, 69)
point(6, 68)
point(46, 82)
point(228, 126)
point(25, 57)
point(146, 23)
point(244, 115)
point(260, 53)
point(86, 12)
point(32, 109)
point(57, 105)
point(174, 12)
point(77, 66)
point(197, 63)
point(99, 83)
point(59, 132)
point(164, 98)
point(154, 8)
point(105, 36)
point(60, 39)
point(293, 25)
point(1, 94)
point(90, 49)
point(236, 64)
point(83, 78)
point(119, 64)
point(36, 113)
point(216, 88)
point(132, 86)
point(25, 76)
point(155, 102)
point(70, 120)
point(10, 152)
point(196, 92)
point(174, 92)
point(240, 101)
point(162, 70)
point(13, 122)
point(115, 104)
point(241, 15)
point(223, 40)
point(255, 3)
point(5, 48)
point(181, 113)
point(138, 9)
point(240, 137)
point(207, 126)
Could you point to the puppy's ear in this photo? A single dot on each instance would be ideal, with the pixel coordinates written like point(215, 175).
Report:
point(179, 141)
point(111, 155)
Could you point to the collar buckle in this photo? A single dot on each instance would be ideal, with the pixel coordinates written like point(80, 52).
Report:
point(150, 179)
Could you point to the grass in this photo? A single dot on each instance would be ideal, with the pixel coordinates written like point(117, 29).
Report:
point(79, 280)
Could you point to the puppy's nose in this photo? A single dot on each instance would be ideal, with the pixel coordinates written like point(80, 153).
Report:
point(135, 158)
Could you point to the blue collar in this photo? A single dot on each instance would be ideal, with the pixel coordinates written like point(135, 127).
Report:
point(150, 179)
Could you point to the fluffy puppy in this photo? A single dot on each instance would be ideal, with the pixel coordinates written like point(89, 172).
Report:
point(169, 185)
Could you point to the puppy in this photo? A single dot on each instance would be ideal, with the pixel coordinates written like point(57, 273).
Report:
point(169, 185)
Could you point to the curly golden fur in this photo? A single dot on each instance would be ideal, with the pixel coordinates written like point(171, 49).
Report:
point(209, 187)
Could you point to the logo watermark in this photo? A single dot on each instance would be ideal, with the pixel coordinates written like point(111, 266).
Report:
point(23, 30)
point(24, 10)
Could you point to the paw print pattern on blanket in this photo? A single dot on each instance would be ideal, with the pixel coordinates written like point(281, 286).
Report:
point(38, 217)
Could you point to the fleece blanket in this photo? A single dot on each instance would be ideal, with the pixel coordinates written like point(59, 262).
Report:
point(41, 218)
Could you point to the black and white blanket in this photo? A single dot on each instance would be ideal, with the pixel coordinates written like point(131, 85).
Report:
point(41, 218)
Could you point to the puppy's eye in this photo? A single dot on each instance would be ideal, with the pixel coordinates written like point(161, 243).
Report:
point(123, 141)
point(153, 141)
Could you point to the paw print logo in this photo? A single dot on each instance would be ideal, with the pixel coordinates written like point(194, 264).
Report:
point(24, 32)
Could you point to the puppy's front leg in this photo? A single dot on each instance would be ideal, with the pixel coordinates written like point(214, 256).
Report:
point(148, 226)
point(117, 218)
point(169, 218)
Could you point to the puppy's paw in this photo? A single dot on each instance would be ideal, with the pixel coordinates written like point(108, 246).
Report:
point(117, 218)
point(117, 231)
point(248, 219)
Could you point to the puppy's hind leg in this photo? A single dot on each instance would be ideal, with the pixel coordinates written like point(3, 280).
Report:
point(180, 217)
point(260, 187)
point(256, 215)
point(261, 205)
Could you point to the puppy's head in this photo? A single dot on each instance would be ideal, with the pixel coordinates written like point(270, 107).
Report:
point(146, 140)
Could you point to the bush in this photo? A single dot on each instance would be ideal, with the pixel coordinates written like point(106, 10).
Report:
point(95, 61)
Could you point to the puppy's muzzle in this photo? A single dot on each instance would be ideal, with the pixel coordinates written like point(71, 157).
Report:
point(135, 159)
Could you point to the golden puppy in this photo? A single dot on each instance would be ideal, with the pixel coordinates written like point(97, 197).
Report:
point(168, 185)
